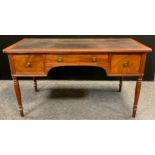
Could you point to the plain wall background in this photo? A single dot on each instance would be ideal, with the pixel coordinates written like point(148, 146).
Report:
point(78, 73)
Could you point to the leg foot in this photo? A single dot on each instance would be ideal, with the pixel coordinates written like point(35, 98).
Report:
point(137, 94)
point(18, 96)
point(35, 84)
point(21, 112)
point(120, 84)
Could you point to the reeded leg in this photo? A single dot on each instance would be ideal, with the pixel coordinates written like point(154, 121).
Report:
point(18, 96)
point(35, 84)
point(120, 84)
point(137, 93)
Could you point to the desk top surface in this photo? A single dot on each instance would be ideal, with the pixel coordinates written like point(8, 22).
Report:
point(38, 45)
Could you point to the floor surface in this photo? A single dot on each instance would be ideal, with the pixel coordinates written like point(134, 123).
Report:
point(77, 100)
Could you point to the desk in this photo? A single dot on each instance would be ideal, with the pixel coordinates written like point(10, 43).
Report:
point(121, 57)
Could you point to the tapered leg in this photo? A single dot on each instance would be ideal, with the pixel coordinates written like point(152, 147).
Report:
point(137, 93)
point(35, 84)
point(120, 84)
point(18, 96)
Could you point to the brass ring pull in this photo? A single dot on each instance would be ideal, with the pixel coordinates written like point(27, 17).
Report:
point(28, 64)
point(28, 61)
point(126, 64)
point(94, 59)
point(60, 59)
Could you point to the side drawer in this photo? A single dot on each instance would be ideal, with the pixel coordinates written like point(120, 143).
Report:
point(125, 64)
point(29, 64)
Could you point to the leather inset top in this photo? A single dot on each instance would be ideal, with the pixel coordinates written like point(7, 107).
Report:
point(77, 43)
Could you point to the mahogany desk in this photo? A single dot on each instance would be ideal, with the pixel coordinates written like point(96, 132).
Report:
point(118, 57)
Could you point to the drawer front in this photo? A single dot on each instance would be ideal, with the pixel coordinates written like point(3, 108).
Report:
point(125, 64)
point(29, 64)
point(77, 59)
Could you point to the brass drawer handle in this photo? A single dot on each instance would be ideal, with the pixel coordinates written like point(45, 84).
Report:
point(28, 64)
point(60, 59)
point(94, 59)
point(126, 64)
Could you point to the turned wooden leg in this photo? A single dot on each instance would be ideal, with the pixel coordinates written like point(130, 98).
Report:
point(35, 84)
point(137, 93)
point(18, 96)
point(120, 84)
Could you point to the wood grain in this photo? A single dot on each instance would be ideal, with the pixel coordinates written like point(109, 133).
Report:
point(125, 64)
point(28, 64)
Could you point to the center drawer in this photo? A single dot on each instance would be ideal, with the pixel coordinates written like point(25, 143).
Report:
point(77, 58)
